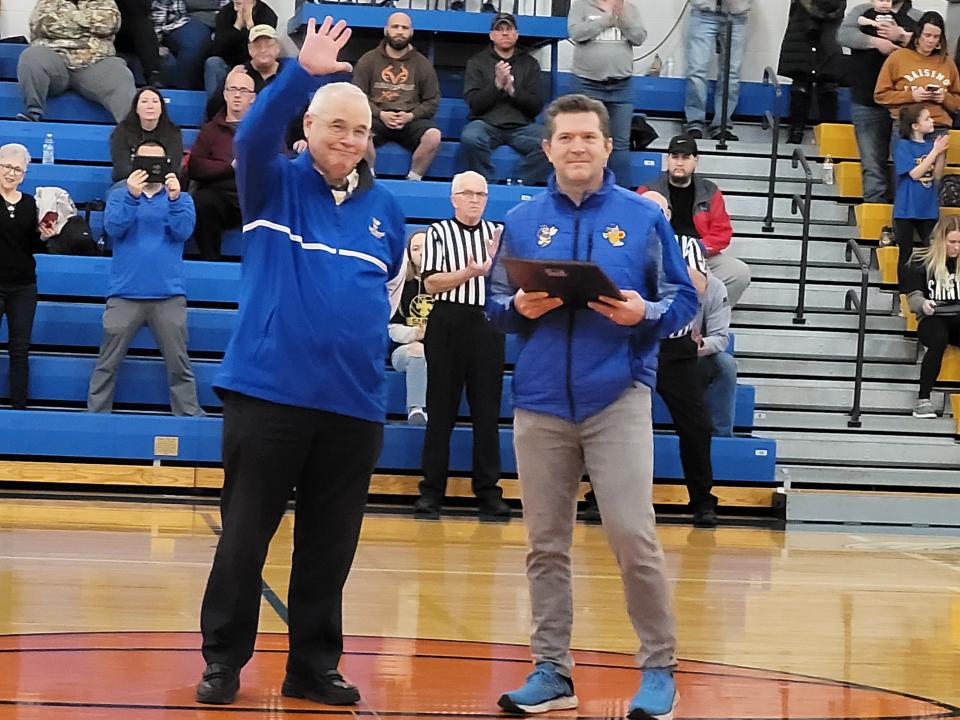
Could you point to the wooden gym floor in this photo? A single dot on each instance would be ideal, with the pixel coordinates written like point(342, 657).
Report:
point(99, 605)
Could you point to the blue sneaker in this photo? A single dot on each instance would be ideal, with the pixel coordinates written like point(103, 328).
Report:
point(657, 696)
point(545, 689)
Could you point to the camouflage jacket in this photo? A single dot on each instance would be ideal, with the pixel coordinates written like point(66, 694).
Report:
point(82, 32)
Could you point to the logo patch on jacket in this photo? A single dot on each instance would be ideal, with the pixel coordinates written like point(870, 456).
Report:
point(614, 235)
point(375, 228)
point(545, 235)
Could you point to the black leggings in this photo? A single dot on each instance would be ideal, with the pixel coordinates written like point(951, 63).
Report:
point(935, 333)
point(136, 35)
point(904, 229)
point(801, 97)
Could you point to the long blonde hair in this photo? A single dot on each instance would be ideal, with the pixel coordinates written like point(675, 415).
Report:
point(934, 258)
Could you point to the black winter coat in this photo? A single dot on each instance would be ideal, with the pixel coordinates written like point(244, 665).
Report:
point(810, 50)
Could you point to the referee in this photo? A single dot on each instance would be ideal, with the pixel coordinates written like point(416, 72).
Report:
point(462, 349)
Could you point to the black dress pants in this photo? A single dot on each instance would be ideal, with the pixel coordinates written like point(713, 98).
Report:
point(681, 387)
point(136, 35)
point(268, 450)
point(218, 209)
point(19, 304)
point(462, 349)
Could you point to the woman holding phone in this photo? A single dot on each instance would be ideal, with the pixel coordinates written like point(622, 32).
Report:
point(923, 72)
point(19, 240)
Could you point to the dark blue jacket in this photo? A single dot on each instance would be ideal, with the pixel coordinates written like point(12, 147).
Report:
point(574, 363)
point(314, 297)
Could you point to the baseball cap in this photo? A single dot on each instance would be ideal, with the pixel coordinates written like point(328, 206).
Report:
point(259, 31)
point(682, 145)
point(503, 17)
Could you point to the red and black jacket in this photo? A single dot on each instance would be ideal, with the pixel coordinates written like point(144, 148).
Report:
point(709, 211)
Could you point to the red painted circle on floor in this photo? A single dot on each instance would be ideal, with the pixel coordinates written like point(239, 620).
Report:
point(107, 676)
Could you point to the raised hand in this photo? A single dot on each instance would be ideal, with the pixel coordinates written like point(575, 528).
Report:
point(493, 244)
point(322, 45)
point(136, 181)
point(172, 183)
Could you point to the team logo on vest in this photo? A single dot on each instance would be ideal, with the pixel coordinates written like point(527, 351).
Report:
point(375, 228)
point(614, 235)
point(545, 235)
point(419, 310)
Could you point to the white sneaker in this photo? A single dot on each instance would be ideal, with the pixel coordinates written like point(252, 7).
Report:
point(924, 409)
point(417, 416)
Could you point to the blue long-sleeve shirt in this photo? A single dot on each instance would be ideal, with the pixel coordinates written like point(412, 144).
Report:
point(147, 235)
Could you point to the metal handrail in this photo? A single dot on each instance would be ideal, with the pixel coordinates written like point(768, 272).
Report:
point(860, 302)
point(771, 120)
point(725, 98)
point(802, 205)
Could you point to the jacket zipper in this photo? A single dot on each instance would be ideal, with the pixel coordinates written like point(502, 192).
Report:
point(571, 314)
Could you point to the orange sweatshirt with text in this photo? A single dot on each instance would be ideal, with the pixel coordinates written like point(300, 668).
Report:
point(906, 69)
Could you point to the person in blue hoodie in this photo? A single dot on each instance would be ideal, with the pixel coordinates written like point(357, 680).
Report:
point(582, 387)
point(303, 380)
point(147, 225)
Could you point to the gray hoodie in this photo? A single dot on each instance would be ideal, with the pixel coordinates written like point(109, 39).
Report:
point(734, 7)
point(603, 43)
point(713, 318)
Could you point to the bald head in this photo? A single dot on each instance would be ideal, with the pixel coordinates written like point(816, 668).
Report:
point(660, 200)
point(398, 31)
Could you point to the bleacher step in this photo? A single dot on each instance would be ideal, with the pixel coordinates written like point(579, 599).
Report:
point(765, 294)
point(873, 508)
point(806, 475)
point(852, 449)
point(902, 424)
point(799, 342)
point(835, 395)
point(790, 227)
point(750, 367)
point(846, 321)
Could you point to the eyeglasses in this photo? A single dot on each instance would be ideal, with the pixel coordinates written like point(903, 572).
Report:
point(340, 130)
point(472, 194)
point(11, 169)
point(233, 90)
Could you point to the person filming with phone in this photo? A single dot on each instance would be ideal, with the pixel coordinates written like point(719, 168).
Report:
point(147, 224)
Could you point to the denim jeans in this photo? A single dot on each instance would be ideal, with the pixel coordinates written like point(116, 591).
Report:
point(190, 45)
point(19, 304)
point(479, 139)
point(214, 75)
point(702, 35)
point(719, 373)
point(873, 125)
point(415, 368)
point(617, 97)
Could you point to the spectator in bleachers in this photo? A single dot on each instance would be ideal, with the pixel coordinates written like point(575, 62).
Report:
point(187, 39)
point(262, 64)
point(232, 37)
point(71, 48)
point(503, 87)
point(811, 56)
point(20, 236)
point(918, 161)
point(147, 225)
point(932, 285)
point(706, 32)
point(869, 46)
point(211, 166)
point(137, 37)
point(604, 35)
point(148, 119)
point(407, 329)
point(404, 94)
point(679, 385)
point(698, 211)
point(922, 72)
point(459, 5)
point(463, 349)
point(718, 368)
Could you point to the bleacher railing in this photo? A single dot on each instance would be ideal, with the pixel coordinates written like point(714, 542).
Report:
point(802, 205)
point(852, 299)
point(725, 72)
point(771, 121)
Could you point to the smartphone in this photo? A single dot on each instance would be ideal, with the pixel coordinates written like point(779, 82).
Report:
point(49, 218)
point(157, 168)
point(932, 88)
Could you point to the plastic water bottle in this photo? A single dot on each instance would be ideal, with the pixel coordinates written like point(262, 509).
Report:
point(886, 236)
point(828, 170)
point(668, 68)
point(48, 149)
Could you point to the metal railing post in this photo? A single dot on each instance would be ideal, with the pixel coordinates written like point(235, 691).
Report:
point(853, 248)
point(771, 121)
point(725, 99)
point(802, 205)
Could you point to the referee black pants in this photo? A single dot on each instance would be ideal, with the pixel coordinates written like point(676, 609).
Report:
point(462, 349)
point(680, 385)
point(268, 450)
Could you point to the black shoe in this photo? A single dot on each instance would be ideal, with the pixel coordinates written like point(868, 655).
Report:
point(705, 518)
point(591, 513)
point(27, 117)
point(488, 7)
point(426, 509)
point(694, 133)
point(155, 79)
point(457, 5)
point(327, 688)
point(219, 685)
point(795, 137)
point(495, 510)
point(723, 135)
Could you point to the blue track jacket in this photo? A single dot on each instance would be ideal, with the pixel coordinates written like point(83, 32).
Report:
point(574, 363)
point(317, 278)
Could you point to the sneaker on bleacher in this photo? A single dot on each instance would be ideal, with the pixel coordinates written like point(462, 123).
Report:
point(656, 697)
point(924, 409)
point(545, 689)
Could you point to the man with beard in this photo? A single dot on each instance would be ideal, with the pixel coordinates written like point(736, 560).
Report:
point(404, 94)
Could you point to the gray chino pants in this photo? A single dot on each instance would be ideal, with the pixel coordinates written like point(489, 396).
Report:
point(616, 448)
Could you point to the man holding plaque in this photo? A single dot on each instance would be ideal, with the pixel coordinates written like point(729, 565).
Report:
point(582, 385)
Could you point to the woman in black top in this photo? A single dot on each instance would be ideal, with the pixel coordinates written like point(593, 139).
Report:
point(19, 240)
point(933, 291)
point(147, 120)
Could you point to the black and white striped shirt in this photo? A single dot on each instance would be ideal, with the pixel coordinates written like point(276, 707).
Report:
point(693, 256)
point(449, 247)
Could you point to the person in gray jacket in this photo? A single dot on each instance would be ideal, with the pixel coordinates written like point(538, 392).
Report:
point(706, 33)
point(604, 34)
point(718, 368)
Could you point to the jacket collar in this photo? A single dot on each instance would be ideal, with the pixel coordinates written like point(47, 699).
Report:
point(606, 187)
point(364, 177)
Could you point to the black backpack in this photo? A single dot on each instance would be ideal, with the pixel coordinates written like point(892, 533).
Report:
point(950, 191)
point(641, 134)
point(74, 238)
